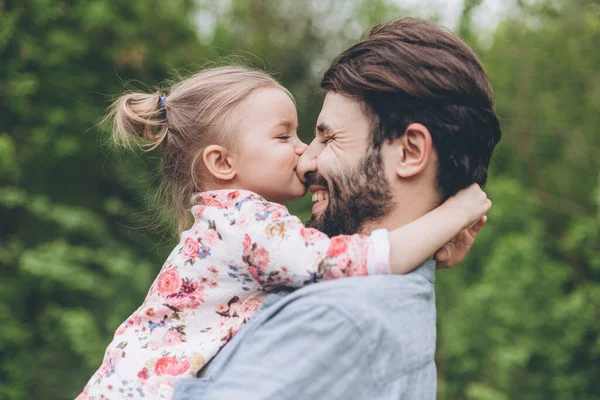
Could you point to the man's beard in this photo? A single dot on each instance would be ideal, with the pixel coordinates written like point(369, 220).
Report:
point(356, 196)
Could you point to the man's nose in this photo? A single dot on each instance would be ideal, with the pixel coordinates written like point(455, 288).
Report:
point(308, 161)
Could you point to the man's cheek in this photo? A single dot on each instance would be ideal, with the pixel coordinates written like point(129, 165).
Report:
point(328, 162)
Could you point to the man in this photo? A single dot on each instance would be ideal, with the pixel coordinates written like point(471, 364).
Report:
point(408, 120)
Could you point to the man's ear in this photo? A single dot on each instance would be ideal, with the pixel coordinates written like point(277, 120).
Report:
point(218, 162)
point(415, 148)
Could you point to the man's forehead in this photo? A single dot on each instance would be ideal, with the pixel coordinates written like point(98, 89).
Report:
point(338, 113)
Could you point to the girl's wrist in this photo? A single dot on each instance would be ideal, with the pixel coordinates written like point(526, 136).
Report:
point(457, 212)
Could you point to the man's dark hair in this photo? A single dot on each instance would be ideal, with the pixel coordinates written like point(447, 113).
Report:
point(409, 70)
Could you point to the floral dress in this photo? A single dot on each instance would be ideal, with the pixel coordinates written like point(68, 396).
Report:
point(239, 247)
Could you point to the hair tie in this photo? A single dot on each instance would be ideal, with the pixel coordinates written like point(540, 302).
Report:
point(161, 107)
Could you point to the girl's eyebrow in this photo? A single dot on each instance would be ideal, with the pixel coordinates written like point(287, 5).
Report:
point(286, 123)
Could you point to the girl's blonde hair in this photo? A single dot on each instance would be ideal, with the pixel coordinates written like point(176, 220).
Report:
point(196, 112)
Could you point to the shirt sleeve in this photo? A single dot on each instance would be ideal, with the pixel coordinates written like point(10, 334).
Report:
point(293, 354)
point(279, 250)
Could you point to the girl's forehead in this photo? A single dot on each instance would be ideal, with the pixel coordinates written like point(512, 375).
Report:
point(269, 106)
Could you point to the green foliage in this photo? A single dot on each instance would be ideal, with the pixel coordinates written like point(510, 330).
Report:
point(71, 269)
point(519, 319)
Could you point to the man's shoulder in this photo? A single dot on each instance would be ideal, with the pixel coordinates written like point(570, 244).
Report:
point(378, 330)
point(393, 316)
point(368, 291)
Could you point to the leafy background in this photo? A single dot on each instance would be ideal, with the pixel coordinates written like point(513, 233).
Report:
point(520, 319)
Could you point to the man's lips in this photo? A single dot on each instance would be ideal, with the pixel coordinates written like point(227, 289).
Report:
point(315, 188)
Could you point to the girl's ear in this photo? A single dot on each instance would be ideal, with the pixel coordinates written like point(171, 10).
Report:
point(218, 162)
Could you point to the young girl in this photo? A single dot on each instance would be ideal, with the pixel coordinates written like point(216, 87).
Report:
point(230, 148)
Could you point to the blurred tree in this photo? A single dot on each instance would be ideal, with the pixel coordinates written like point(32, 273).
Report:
point(71, 268)
point(521, 318)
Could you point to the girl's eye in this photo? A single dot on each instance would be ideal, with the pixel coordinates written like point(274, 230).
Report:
point(283, 137)
point(326, 140)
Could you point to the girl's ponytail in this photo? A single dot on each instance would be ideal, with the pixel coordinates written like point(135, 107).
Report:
point(139, 119)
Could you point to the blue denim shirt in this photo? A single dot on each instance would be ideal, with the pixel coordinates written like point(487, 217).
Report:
point(353, 338)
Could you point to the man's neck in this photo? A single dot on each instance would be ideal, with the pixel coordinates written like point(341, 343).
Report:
point(407, 208)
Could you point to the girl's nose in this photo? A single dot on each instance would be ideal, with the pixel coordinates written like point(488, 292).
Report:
point(300, 147)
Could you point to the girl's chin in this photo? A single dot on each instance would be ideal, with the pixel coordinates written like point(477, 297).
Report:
point(287, 192)
point(295, 194)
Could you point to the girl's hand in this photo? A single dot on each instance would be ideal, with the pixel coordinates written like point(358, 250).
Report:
point(470, 204)
point(454, 251)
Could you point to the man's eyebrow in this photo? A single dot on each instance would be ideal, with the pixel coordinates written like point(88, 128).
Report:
point(323, 129)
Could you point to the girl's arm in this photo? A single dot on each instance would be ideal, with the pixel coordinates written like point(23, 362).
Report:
point(420, 239)
point(279, 250)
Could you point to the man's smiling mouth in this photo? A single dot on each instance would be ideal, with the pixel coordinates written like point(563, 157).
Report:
point(320, 198)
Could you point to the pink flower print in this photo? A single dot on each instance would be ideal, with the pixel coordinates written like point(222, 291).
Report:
point(143, 374)
point(170, 366)
point(199, 210)
point(213, 284)
point(105, 368)
point(191, 247)
point(172, 337)
point(191, 295)
point(333, 273)
point(213, 270)
point(337, 246)
point(134, 320)
point(169, 282)
point(260, 257)
point(276, 215)
point(254, 272)
point(357, 268)
point(233, 195)
point(210, 237)
point(161, 313)
point(222, 309)
point(247, 244)
point(311, 235)
point(228, 328)
point(257, 259)
point(121, 330)
point(343, 260)
point(245, 308)
point(210, 202)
